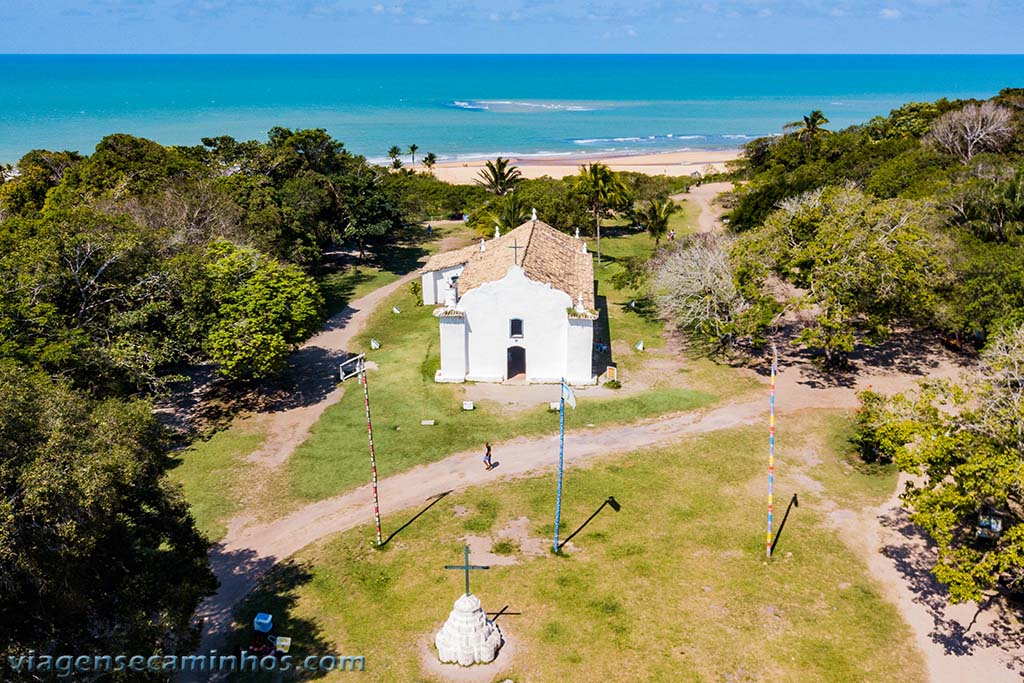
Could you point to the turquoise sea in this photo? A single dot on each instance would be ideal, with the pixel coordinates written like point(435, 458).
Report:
point(469, 105)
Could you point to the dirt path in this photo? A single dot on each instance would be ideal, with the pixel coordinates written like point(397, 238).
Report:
point(313, 369)
point(247, 552)
point(703, 196)
point(959, 642)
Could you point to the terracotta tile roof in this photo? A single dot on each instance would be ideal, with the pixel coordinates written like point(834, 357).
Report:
point(447, 259)
point(545, 254)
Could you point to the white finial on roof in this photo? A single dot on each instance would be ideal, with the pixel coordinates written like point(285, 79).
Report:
point(497, 231)
point(483, 244)
point(579, 304)
point(534, 216)
point(584, 247)
point(577, 233)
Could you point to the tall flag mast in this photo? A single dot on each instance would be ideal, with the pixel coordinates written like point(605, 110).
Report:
point(771, 450)
point(566, 395)
point(357, 367)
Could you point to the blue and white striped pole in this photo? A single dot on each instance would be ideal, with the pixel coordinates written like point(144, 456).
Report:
point(561, 460)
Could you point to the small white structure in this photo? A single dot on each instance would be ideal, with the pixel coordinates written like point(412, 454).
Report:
point(467, 637)
point(518, 305)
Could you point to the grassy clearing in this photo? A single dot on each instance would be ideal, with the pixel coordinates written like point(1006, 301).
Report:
point(684, 221)
point(211, 475)
point(210, 470)
point(402, 393)
point(625, 325)
point(384, 265)
point(672, 588)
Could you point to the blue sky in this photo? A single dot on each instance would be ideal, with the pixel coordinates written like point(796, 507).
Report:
point(636, 26)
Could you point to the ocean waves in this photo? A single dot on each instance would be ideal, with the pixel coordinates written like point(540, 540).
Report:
point(520, 106)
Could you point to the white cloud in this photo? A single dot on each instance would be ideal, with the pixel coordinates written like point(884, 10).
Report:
point(890, 13)
point(631, 32)
point(421, 21)
point(764, 12)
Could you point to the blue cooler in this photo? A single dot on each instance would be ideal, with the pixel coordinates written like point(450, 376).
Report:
point(263, 622)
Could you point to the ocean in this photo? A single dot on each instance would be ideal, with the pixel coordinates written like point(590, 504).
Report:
point(469, 106)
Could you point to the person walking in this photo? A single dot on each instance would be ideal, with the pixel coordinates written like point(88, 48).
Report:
point(487, 458)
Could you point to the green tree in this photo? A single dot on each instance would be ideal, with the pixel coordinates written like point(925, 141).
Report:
point(962, 443)
point(602, 190)
point(809, 127)
point(394, 153)
point(412, 153)
point(860, 263)
point(498, 177)
point(654, 216)
point(264, 309)
point(98, 551)
point(429, 159)
point(508, 212)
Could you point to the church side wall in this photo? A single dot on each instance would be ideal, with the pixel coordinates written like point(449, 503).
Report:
point(453, 349)
point(489, 309)
point(429, 282)
point(580, 347)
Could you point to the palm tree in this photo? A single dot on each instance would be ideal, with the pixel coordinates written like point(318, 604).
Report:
point(508, 212)
point(601, 188)
point(654, 217)
point(412, 153)
point(809, 127)
point(394, 153)
point(429, 159)
point(498, 177)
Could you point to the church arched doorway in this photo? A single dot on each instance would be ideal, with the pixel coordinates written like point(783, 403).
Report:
point(516, 363)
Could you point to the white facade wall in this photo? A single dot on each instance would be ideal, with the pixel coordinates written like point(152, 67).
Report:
point(453, 349)
point(489, 310)
point(579, 347)
point(437, 284)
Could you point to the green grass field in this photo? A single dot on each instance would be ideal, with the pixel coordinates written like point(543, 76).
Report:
point(211, 474)
point(403, 392)
point(672, 588)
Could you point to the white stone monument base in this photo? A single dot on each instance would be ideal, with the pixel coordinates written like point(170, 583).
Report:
point(467, 637)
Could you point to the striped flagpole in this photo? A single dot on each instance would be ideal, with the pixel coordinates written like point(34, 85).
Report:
point(561, 459)
point(373, 457)
point(771, 452)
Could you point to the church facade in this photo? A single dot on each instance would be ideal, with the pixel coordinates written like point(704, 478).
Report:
point(519, 306)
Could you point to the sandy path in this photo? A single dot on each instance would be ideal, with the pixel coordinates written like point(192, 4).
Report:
point(710, 218)
point(313, 369)
point(960, 642)
point(249, 551)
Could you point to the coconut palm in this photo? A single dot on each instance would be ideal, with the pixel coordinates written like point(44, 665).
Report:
point(508, 212)
point(412, 153)
point(654, 216)
point(602, 189)
point(394, 153)
point(809, 127)
point(429, 159)
point(498, 177)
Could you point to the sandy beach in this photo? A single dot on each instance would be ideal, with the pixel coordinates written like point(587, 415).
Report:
point(667, 163)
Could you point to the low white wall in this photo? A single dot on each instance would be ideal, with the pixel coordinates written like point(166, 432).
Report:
point(580, 347)
point(437, 284)
point(453, 349)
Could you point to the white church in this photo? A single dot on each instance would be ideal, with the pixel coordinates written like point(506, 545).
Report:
point(519, 306)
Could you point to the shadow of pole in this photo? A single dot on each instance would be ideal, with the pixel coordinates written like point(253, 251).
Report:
point(610, 500)
point(434, 500)
point(793, 502)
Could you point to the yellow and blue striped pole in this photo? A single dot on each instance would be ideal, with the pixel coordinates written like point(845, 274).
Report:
point(771, 451)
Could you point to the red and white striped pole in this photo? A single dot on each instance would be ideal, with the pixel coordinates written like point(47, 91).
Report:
point(373, 457)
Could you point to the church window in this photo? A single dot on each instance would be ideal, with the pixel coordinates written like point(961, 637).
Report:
point(516, 327)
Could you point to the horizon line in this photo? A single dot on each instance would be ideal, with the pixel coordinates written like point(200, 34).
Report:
point(511, 54)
